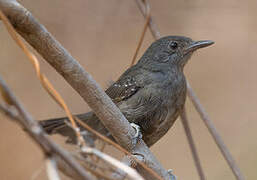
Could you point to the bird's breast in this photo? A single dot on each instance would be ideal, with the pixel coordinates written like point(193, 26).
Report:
point(173, 96)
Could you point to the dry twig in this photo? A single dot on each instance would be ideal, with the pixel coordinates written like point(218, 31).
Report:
point(191, 143)
point(130, 172)
point(147, 19)
point(51, 169)
point(217, 138)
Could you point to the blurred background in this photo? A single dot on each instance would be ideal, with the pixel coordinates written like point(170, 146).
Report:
point(103, 35)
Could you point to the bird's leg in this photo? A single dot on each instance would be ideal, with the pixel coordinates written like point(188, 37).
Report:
point(138, 135)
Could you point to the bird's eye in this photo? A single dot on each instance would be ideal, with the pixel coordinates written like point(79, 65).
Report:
point(173, 45)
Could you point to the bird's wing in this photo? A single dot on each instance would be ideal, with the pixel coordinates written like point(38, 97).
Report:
point(123, 89)
point(145, 108)
point(137, 99)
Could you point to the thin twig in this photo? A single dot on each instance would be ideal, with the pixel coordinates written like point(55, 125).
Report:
point(51, 169)
point(127, 160)
point(102, 146)
point(100, 136)
point(142, 35)
point(217, 138)
point(153, 27)
point(191, 143)
point(88, 165)
point(207, 121)
point(130, 172)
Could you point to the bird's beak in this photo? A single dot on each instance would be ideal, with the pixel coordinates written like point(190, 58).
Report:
point(198, 44)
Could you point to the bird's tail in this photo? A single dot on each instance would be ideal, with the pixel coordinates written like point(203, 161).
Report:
point(60, 126)
point(52, 126)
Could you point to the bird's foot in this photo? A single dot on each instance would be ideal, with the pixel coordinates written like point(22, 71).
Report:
point(172, 176)
point(138, 135)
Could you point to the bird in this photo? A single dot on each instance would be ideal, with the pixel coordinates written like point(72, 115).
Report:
point(151, 94)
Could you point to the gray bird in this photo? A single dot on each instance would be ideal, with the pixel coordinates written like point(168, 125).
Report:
point(151, 93)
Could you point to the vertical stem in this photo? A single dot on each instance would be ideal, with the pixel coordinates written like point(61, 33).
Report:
point(142, 36)
point(191, 143)
point(217, 138)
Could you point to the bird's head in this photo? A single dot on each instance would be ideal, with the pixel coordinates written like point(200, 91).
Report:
point(172, 51)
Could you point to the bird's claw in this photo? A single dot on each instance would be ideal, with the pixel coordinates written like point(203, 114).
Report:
point(138, 134)
point(172, 176)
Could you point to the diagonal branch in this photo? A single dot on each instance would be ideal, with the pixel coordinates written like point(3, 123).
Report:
point(58, 57)
point(221, 145)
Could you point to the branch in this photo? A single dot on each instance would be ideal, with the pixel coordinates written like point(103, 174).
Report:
point(36, 133)
point(58, 57)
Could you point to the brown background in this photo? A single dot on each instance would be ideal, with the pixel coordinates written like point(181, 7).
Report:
point(102, 35)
